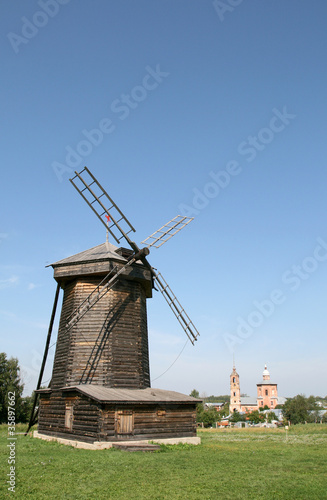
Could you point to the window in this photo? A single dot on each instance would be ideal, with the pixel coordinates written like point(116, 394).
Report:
point(234, 394)
point(266, 392)
point(261, 403)
point(233, 380)
point(271, 403)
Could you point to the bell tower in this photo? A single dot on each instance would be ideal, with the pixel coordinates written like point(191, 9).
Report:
point(267, 394)
point(235, 392)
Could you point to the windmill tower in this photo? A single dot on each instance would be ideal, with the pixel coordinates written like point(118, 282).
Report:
point(108, 344)
point(100, 387)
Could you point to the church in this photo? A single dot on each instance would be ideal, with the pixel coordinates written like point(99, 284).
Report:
point(267, 394)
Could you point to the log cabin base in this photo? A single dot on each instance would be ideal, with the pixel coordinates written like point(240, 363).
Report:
point(103, 445)
point(96, 417)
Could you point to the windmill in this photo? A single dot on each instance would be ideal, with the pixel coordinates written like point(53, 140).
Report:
point(100, 386)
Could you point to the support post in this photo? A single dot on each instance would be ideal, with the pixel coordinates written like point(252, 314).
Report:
point(45, 355)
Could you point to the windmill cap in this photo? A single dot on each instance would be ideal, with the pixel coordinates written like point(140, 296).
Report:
point(100, 261)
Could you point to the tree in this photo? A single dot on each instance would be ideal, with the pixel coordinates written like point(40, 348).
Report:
point(237, 417)
point(10, 382)
point(218, 399)
point(312, 403)
point(26, 409)
point(195, 394)
point(224, 412)
point(256, 417)
point(314, 417)
point(207, 416)
point(297, 410)
point(271, 416)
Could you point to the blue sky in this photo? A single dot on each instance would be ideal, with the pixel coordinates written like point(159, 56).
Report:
point(213, 109)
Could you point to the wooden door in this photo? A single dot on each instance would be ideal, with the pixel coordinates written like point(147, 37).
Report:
point(69, 416)
point(124, 422)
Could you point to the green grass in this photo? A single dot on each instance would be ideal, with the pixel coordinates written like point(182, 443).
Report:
point(233, 464)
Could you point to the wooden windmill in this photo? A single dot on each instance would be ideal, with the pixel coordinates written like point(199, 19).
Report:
point(100, 387)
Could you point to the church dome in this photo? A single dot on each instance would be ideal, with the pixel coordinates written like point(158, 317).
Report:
point(265, 371)
point(266, 374)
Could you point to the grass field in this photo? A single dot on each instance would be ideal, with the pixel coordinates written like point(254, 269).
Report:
point(250, 463)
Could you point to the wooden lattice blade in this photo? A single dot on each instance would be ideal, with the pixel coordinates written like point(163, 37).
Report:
point(102, 205)
point(167, 231)
point(176, 307)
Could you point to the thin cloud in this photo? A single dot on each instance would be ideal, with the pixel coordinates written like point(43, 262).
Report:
point(15, 268)
point(7, 314)
point(9, 282)
point(31, 286)
point(16, 319)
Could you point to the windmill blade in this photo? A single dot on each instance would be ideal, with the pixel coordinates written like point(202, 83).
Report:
point(100, 202)
point(167, 231)
point(176, 307)
point(101, 290)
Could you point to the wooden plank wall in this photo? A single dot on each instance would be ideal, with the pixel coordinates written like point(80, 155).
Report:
point(128, 359)
point(85, 417)
point(93, 421)
point(63, 341)
point(151, 421)
point(109, 345)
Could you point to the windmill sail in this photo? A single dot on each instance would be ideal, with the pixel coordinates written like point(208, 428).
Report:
point(102, 205)
point(177, 308)
point(119, 227)
point(167, 231)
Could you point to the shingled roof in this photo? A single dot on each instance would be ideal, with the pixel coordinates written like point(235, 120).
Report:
point(148, 395)
point(102, 252)
point(101, 260)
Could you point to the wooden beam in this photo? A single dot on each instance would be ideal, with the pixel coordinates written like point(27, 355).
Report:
point(45, 355)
